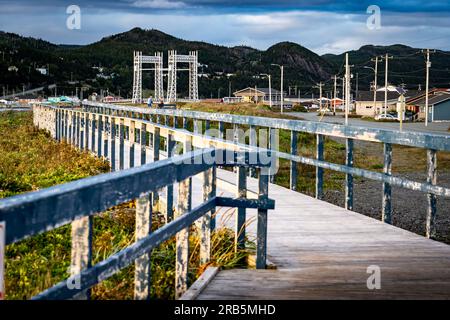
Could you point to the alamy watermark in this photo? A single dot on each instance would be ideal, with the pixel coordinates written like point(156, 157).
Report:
point(73, 21)
point(374, 280)
point(374, 20)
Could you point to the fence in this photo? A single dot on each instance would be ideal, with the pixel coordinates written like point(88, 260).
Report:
point(432, 143)
point(77, 202)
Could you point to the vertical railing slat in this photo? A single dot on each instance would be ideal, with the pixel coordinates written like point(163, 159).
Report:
point(387, 206)
point(241, 192)
point(131, 141)
point(431, 198)
point(205, 222)
point(143, 143)
point(349, 177)
point(319, 171)
point(81, 252)
point(121, 143)
point(293, 167)
point(142, 271)
point(261, 232)
point(182, 237)
point(112, 142)
point(169, 188)
point(253, 141)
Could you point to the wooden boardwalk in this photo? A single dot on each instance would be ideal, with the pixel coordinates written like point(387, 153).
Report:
point(323, 251)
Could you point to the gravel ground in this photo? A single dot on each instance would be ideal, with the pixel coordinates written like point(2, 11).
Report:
point(409, 207)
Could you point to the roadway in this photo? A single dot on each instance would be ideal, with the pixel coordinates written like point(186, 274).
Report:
point(437, 127)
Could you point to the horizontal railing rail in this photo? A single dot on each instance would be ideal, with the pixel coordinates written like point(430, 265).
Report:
point(432, 143)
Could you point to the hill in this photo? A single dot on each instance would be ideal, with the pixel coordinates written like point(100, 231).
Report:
point(107, 64)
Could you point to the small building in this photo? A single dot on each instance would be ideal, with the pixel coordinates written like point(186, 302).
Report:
point(438, 105)
point(365, 107)
point(259, 95)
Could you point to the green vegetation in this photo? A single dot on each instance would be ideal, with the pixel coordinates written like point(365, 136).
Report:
point(31, 160)
point(76, 66)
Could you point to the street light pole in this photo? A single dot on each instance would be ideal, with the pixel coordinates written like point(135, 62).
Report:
point(282, 85)
point(270, 87)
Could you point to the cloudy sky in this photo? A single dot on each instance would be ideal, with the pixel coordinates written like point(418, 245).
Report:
point(321, 25)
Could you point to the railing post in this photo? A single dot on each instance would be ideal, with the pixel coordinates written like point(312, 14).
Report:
point(261, 232)
point(155, 148)
point(57, 127)
point(112, 142)
point(209, 192)
point(241, 192)
point(81, 250)
point(68, 119)
point(86, 131)
point(197, 126)
point(221, 130)
point(75, 130)
point(185, 123)
point(105, 133)
point(80, 130)
point(99, 135)
point(253, 141)
point(169, 189)
point(293, 171)
point(142, 271)
point(93, 130)
point(319, 171)
point(143, 143)
point(386, 207)
point(349, 177)
point(131, 141)
point(182, 237)
point(121, 143)
point(431, 198)
point(273, 138)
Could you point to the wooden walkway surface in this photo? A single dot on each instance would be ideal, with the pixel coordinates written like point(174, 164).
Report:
point(323, 252)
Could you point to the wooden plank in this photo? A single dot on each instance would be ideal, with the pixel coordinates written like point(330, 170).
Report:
point(142, 273)
point(200, 284)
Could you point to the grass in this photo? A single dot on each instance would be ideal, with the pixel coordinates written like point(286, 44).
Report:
point(31, 160)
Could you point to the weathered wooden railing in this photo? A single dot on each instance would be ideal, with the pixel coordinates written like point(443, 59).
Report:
point(77, 202)
point(433, 143)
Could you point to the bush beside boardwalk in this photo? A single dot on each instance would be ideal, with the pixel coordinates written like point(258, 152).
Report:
point(31, 160)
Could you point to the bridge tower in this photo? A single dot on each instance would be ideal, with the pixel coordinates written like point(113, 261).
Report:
point(137, 77)
point(139, 61)
point(174, 60)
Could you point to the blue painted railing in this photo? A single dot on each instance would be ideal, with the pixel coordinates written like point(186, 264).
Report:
point(432, 143)
point(77, 202)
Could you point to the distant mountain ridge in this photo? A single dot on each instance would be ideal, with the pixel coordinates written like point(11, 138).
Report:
point(71, 66)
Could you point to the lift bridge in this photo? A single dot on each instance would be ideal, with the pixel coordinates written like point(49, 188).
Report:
point(157, 60)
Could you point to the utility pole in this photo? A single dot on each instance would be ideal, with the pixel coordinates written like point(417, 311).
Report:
point(282, 85)
point(357, 84)
point(347, 88)
point(335, 95)
point(427, 89)
point(386, 79)
point(375, 87)
point(320, 85)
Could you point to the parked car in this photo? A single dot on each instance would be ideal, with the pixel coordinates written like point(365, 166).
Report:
point(385, 117)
